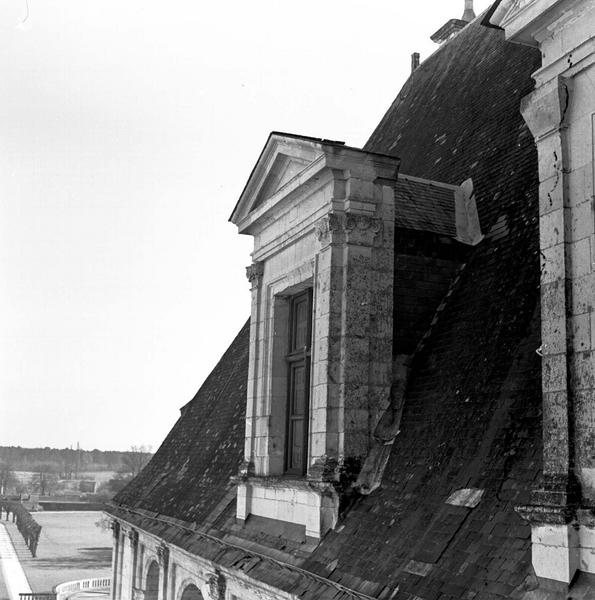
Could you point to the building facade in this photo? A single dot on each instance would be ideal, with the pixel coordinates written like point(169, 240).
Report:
point(407, 414)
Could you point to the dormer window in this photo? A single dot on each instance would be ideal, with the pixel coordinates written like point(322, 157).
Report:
point(322, 218)
point(298, 397)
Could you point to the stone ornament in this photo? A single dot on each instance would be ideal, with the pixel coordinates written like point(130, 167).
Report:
point(254, 272)
point(359, 229)
point(326, 225)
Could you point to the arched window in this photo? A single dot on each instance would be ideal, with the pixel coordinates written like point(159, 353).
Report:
point(152, 586)
point(191, 592)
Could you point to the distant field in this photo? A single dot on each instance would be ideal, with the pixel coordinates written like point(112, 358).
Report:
point(99, 476)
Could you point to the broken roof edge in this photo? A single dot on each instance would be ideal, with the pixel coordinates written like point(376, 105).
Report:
point(322, 142)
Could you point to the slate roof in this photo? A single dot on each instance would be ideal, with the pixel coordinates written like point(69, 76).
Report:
point(472, 406)
point(424, 205)
point(472, 412)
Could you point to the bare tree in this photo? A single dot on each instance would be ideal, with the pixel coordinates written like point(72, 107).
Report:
point(135, 459)
point(44, 479)
point(8, 479)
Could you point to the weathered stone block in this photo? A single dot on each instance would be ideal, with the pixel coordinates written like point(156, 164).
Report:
point(554, 373)
point(552, 267)
point(555, 551)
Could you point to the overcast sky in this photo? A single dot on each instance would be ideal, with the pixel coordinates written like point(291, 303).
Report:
point(127, 132)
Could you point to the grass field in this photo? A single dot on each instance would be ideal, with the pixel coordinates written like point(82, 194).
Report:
point(71, 547)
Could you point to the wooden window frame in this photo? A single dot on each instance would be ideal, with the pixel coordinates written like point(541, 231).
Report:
point(295, 358)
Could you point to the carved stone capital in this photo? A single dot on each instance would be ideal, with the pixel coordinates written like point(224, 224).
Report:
point(115, 526)
point(217, 586)
point(133, 537)
point(362, 229)
point(138, 594)
point(326, 225)
point(163, 555)
point(254, 273)
point(357, 229)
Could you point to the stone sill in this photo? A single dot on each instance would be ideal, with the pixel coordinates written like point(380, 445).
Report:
point(313, 504)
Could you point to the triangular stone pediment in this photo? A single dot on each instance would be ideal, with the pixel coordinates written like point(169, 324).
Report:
point(281, 162)
point(283, 170)
point(507, 9)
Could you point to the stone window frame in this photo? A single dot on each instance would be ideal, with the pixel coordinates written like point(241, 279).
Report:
point(274, 368)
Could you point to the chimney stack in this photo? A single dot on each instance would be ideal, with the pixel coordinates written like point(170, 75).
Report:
point(469, 13)
point(414, 61)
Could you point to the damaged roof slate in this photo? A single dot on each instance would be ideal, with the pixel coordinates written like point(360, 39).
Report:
point(472, 407)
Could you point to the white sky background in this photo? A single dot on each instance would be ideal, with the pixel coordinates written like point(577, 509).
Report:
point(127, 132)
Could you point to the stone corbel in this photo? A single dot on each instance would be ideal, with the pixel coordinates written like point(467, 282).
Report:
point(545, 109)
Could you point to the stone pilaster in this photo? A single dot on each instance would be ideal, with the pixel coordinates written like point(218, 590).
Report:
point(115, 559)
point(353, 329)
point(254, 273)
point(163, 557)
point(560, 115)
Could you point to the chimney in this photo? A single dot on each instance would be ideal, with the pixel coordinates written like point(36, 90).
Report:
point(414, 61)
point(469, 13)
